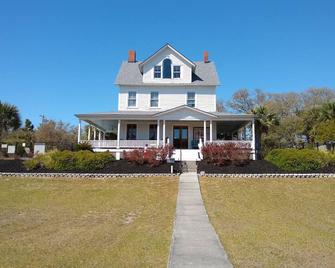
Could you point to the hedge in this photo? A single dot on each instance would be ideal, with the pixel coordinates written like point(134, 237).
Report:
point(67, 160)
point(295, 160)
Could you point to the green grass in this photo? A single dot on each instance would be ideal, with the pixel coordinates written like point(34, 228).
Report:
point(274, 222)
point(86, 223)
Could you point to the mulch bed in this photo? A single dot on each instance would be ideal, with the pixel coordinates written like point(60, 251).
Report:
point(115, 167)
point(254, 167)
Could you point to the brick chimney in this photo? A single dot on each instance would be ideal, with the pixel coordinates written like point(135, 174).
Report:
point(206, 57)
point(131, 56)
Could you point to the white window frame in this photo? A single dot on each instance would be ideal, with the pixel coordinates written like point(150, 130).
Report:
point(152, 99)
point(187, 99)
point(179, 71)
point(128, 99)
point(160, 72)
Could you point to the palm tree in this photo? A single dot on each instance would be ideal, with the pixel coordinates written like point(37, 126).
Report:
point(264, 119)
point(9, 118)
point(327, 111)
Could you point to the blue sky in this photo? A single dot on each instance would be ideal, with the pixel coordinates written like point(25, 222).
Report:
point(58, 58)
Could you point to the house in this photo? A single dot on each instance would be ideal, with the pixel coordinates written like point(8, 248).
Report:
point(167, 98)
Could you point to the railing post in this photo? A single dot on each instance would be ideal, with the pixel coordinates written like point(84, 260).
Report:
point(94, 134)
point(89, 133)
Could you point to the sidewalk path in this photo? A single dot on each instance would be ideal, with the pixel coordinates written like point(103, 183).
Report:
point(195, 242)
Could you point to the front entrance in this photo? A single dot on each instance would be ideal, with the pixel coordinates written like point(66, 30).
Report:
point(180, 137)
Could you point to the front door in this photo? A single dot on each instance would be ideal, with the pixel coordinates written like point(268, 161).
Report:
point(180, 137)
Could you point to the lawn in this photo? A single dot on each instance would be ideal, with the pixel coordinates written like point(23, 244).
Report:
point(274, 222)
point(86, 223)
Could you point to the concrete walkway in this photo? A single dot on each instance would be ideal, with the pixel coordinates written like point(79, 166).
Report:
point(195, 242)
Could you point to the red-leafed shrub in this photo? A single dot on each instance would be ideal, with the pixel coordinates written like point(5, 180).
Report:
point(151, 156)
point(226, 153)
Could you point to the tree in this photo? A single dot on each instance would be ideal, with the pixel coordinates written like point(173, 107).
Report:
point(327, 111)
point(264, 119)
point(28, 125)
point(220, 106)
point(317, 96)
point(9, 118)
point(324, 132)
point(242, 101)
point(56, 135)
point(284, 104)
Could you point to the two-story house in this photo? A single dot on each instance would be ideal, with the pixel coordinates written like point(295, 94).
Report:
point(167, 98)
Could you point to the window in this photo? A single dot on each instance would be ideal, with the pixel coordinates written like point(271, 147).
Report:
point(154, 99)
point(176, 71)
point(131, 131)
point(191, 99)
point(157, 71)
point(152, 132)
point(167, 68)
point(131, 99)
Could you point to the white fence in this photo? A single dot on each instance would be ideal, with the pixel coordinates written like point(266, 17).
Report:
point(124, 143)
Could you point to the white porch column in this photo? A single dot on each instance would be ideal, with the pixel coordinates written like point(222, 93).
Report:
point(163, 132)
point(118, 134)
point(89, 133)
point(99, 135)
point(253, 145)
point(94, 134)
point(205, 138)
point(211, 131)
point(158, 134)
point(79, 130)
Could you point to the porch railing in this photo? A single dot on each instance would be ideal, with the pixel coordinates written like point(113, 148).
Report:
point(230, 141)
point(124, 143)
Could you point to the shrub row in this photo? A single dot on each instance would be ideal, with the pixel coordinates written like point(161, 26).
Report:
point(151, 156)
point(295, 160)
point(67, 160)
point(226, 153)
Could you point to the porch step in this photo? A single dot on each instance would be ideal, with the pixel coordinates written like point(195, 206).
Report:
point(186, 154)
point(189, 166)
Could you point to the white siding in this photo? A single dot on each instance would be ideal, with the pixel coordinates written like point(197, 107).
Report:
point(186, 69)
point(169, 97)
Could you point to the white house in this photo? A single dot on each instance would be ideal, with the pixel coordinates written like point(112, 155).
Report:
point(167, 98)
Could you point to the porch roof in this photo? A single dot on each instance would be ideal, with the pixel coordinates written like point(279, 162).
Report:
point(165, 114)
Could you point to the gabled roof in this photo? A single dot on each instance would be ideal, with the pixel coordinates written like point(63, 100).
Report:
point(204, 74)
point(184, 107)
point(166, 46)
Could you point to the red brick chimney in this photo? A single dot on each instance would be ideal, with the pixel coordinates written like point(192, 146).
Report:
point(131, 56)
point(206, 57)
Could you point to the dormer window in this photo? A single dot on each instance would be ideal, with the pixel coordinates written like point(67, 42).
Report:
point(157, 71)
point(176, 71)
point(167, 68)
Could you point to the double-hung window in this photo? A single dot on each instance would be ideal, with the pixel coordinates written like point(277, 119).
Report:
point(152, 132)
point(191, 99)
point(131, 99)
point(176, 71)
point(131, 131)
point(157, 71)
point(154, 99)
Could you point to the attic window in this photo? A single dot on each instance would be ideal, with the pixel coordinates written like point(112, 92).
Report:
point(157, 71)
point(176, 71)
point(167, 68)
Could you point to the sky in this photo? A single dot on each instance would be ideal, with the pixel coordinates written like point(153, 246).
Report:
point(59, 58)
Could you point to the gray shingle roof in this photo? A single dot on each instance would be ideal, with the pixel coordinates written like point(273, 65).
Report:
point(204, 75)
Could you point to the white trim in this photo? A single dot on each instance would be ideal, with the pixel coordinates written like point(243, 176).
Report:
point(136, 99)
point(182, 107)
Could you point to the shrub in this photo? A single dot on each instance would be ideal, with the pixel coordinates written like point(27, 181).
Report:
point(226, 153)
point(294, 160)
point(151, 156)
point(84, 146)
point(67, 160)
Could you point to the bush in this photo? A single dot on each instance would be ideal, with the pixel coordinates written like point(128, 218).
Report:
point(151, 156)
point(294, 160)
point(226, 153)
point(67, 160)
point(84, 146)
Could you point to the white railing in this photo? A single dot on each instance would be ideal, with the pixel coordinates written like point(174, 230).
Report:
point(124, 143)
point(230, 141)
